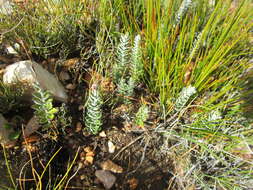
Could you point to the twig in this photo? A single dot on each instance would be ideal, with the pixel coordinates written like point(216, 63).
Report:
point(125, 147)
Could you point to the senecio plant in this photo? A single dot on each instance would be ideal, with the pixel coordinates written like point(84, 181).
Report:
point(92, 117)
point(184, 97)
point(128, 59)
point(44, 110)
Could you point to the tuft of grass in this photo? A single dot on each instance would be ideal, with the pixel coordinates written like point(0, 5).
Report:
point(10, 97)
point(48, 28)
point(207, 50)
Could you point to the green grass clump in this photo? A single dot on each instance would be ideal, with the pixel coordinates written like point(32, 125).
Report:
point(49, 28)
point(10, 97)
point(43, 106)
point(206, 48)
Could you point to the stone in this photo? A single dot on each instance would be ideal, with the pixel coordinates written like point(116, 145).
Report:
point(78, 127)
point(29, 72)
point(64, 76)
point(106, 178)
point(5, 132)
point(102, 134)
point(70, 86)
point(31, 127)
point(111, 147)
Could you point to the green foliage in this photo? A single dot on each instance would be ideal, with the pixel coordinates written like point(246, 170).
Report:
point(182, 10)
point(136, 65)
point(122, 61)
point(184, 97)
point(49, 28)
point(126, 61)
point(142, 115)
point(92, 116)
point(126, 89)
point(43, 106)
point(10, 97)
point(63, 117)
point(207, 50)
point(13, 135)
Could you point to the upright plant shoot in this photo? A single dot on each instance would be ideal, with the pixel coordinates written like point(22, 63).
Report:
point(92, 116)
point(44, 110)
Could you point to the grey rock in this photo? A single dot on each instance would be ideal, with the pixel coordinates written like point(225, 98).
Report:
point(106, 178)
point(28, 72)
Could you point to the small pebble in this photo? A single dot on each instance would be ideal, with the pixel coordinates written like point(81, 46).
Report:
point(78, 127)
point(111, 147)
point(102, 134)
point(89, 159)
point(80, 108)
point(63, 76)
point(70, 86)
point(82, 177)
point(80, 165)
point(82, 156)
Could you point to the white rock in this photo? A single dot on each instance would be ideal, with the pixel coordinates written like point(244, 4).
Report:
point(12, 50)
point(111, 147)
point(4, 132)
point(29, 72)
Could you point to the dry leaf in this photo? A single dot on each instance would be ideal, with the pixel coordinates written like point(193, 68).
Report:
point(70, 63)
point(133, 183)
point(87, 156)
point(109, 165)
point(188, 72)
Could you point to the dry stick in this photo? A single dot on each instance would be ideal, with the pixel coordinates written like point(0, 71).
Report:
point(125, 147)
point(142, 157)
point(20, 175)
point(71, 177)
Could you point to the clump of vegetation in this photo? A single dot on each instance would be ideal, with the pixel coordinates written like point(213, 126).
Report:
point(43, 106)
point(141, 115)
point(191, 57)
point(48, 28)
point(184, 97)
point(120, 67)
point(92, 116)
point(64, 118)
point(10, 97)
point(128, 68)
